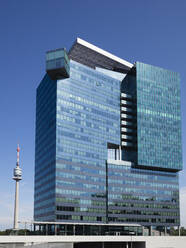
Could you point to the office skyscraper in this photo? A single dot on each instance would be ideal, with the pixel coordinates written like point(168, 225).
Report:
point(108, 140)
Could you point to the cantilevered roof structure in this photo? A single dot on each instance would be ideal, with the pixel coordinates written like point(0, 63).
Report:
point(92, 56)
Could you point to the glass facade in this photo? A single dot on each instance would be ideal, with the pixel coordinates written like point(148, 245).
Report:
point(142, 196)
point(88, 117)
point(158, 117)
point(45, 151)
point(90, 120)
point(57, 64)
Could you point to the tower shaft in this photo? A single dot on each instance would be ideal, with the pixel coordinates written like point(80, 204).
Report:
point(16, 206)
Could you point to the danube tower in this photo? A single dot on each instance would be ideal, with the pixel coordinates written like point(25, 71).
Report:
point(17, 177)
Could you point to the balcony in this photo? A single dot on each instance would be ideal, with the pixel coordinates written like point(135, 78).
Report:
point(125, 102)
point(126, 109)
point(124, 95)
point(124, 143)
point(123, 136)
point(125, 116)
point(126, 123)
point(126, 130)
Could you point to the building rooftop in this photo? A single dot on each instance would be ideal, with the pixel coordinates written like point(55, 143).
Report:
point(92, 56)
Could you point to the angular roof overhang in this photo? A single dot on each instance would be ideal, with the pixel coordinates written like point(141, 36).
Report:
point(92, 56)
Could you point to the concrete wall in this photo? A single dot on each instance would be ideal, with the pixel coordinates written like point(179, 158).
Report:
point(40, 245)
point(67, 241)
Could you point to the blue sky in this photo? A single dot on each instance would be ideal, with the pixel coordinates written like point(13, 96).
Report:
point(149, 31)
